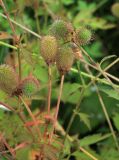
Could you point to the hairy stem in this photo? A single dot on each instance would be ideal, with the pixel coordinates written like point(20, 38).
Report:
point(107, 117)
point(21, 26)
point(87, 153)
point(19, 63)
point(57, 107)
point(31, 115)
point(8, 18)
point(74, 114)
point(49, 88)
point(105, 111)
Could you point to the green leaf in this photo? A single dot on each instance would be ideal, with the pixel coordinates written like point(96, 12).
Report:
point(67, 2)
point(23, 154)
point(116, 121)
point(79, 155)
point(93, 139)
point(68, 91)
point(41, 73)
point(95, 50)
point(85, 118)
point(110, 92)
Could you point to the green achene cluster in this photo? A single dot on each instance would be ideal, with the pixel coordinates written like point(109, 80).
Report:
point(64, 59)
point(83, 36)
point(56, 47)
point(61, 29)
point(29, 86)
point(8, 79)
point(49, 49)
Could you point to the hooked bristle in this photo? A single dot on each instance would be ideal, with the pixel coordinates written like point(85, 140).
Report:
point(64, 59)
point(49, 49)
point(8, 79)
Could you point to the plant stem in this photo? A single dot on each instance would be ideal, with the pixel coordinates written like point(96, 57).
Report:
point(57, 107)
point(21, 26)
point(19, 63)
point(8, 45)
point(107, 117)
point(8, 147)
point(21, 116)
point(31, 115)
point(49, 89)
point(74, 114)
point(87, 153)
point(8, 18)
point(105, 112)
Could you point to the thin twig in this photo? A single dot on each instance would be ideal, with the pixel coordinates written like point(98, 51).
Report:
point(8, 147)
point(57, 107)
point(8, 18)
point(49, 88)
point(19, 64)
point(105, 111)
point(22, 27)
point(87, 153)
point(107, 117)
point(31, 115)
point(74, 114)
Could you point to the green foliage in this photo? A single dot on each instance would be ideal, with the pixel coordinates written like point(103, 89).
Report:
point(85, 118)
point(116, 121)
point(89, 128)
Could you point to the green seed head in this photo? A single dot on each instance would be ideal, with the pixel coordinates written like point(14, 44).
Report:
point(29, 86)
point(49, 49)
point(8, 79)
point(61, 29)
point(83, 36)
point(115, 9)
point(64, 59)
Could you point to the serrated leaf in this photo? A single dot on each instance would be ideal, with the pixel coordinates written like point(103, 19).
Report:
point(86, 141)
point(68, 90)
point(116, 121)
point(110, 92)
point(85, 118)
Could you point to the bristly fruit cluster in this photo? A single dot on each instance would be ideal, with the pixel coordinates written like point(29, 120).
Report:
point(49, 49)
point(61, 29)
point(10, 85)
point(58, 46)
point(8, 79)
point(29, 86)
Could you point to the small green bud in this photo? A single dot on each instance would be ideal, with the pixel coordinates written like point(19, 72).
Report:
point(83, 36)
point(29, 86)
point(49, 49)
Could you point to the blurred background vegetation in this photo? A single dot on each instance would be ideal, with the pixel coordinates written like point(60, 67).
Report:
point(38, 15)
